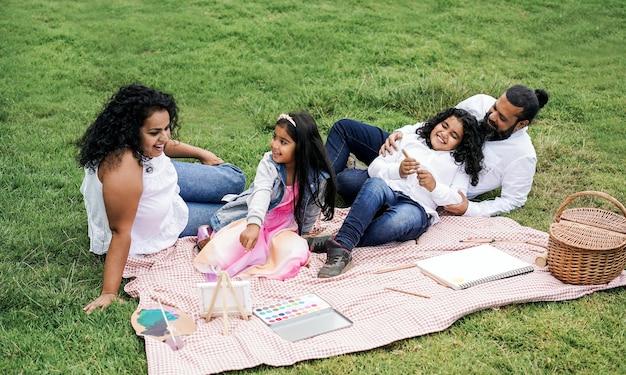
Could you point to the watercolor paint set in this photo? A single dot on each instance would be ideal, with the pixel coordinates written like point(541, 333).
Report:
point(302, 317)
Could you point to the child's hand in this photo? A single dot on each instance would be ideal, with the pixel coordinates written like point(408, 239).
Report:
point(249, 236)
point(426, 179)
point(408, 166)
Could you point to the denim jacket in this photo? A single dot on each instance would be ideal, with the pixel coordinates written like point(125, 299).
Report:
point(265, 193)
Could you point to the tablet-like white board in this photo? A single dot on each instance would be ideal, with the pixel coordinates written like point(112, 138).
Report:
point(207, 290)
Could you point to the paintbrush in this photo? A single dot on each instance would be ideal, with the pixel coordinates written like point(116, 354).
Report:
point(169, 326)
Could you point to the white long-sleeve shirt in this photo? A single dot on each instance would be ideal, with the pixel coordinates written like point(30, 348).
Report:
point(510, 164)
point(449, 177)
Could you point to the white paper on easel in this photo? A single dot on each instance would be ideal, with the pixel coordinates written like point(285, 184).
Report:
point(242, 291)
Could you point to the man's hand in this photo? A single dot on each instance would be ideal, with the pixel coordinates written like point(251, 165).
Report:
point(459, 208)
point(390, 144)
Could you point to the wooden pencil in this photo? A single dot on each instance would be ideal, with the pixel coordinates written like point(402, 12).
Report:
point(397, 268)
point(406, 292)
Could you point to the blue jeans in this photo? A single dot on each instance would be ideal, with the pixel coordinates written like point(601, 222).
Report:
point(380, 215)
point(349, 136)
point(202, 188)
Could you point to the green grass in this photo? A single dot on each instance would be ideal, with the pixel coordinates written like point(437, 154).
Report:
point(233, 66)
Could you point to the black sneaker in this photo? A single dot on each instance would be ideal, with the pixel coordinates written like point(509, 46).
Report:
point(317, 243)
point(338, 261)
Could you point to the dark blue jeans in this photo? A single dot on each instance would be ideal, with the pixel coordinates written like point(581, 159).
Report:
point(349, 136)
point(202, 188)
point(380, 215)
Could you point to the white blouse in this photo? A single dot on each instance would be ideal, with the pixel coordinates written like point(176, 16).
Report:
point(161, 215)
point(449, 176)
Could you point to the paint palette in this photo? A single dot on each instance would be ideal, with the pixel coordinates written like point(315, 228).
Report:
point(301, 317)
point(151, 321)
point(290, 309)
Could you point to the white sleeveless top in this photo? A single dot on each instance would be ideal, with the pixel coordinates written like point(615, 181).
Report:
point(161, 215)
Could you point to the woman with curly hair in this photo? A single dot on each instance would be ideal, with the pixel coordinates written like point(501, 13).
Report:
point(438, 161)
point(138, 201)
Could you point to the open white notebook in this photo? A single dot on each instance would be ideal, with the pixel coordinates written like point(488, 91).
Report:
point(476, 265)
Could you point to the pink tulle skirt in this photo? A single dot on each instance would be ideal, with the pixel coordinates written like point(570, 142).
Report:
point(278, 254)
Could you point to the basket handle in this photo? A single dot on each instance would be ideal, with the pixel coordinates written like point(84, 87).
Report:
point(600, 194)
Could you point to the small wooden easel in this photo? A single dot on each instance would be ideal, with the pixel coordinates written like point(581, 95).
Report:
point(223, 282)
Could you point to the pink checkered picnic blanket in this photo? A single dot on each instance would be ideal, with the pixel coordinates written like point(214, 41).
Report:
point(379, 316)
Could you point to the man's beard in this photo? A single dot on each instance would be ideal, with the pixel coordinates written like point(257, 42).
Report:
point(492, 134)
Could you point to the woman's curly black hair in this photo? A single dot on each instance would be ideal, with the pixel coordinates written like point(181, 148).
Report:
point(117, 126)
point(470, 151)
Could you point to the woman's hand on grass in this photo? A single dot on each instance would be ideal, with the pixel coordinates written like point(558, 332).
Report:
point(101, 302)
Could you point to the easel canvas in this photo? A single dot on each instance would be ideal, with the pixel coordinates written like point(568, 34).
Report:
point(224, 298)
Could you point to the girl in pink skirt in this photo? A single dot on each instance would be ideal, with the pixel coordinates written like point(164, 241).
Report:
point(258, 232)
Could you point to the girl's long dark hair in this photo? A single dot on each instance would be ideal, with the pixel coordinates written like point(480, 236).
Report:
point(470, 151)
point(117, 126)
point(311, 159)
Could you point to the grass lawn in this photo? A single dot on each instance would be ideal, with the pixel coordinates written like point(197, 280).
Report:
point(233, 66)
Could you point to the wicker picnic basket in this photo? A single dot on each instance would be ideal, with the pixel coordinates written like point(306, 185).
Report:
point(587, 246)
